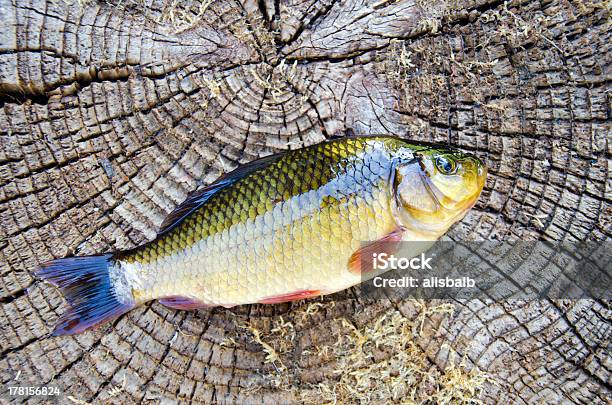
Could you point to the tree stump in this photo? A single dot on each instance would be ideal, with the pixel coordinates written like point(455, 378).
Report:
point(112, 112)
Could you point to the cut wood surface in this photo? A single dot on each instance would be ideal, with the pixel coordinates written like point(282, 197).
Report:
point(111, 112)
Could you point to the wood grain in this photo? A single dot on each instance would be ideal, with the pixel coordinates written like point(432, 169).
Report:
point(111, 112)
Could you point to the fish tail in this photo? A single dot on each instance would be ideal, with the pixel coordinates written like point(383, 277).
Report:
point(87, 285)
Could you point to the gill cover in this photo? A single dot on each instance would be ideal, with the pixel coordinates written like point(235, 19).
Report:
point(436, 189)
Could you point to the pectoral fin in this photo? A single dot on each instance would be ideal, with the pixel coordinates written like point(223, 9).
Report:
point(362, 261)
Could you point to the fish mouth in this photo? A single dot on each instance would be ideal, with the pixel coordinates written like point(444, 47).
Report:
point(460, 207)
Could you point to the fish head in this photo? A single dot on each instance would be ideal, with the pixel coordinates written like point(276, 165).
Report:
point(436, 187)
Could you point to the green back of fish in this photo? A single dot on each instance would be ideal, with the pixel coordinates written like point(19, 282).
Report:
point(282, 177)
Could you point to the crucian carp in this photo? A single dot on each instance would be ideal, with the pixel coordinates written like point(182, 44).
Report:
point(294, 225)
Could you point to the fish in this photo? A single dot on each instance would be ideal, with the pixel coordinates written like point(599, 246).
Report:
point(290, 226)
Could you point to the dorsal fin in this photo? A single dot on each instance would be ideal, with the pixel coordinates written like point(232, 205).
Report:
point(348, 133)
point(199, 197)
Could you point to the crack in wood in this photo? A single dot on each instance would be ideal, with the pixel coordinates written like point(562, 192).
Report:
point(163, 126)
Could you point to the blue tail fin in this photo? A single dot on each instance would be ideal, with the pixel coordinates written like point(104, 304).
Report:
point(86, 284)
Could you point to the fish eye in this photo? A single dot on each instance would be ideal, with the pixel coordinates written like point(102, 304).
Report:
point(446, 165)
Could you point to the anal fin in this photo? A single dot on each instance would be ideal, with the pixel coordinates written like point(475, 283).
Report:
point(293, 296)
point(178, 302)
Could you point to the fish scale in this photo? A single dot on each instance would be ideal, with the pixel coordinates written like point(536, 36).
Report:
point(289, 226)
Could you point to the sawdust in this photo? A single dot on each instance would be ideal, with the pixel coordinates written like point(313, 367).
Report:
point(117, 389)
point(433, 13)
point(279, 341)
point(426, 312)
point(458, 385)
point(376, 363)
point(77, 401)
point(182, 16)
point(410, 65)
point(214, 87)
